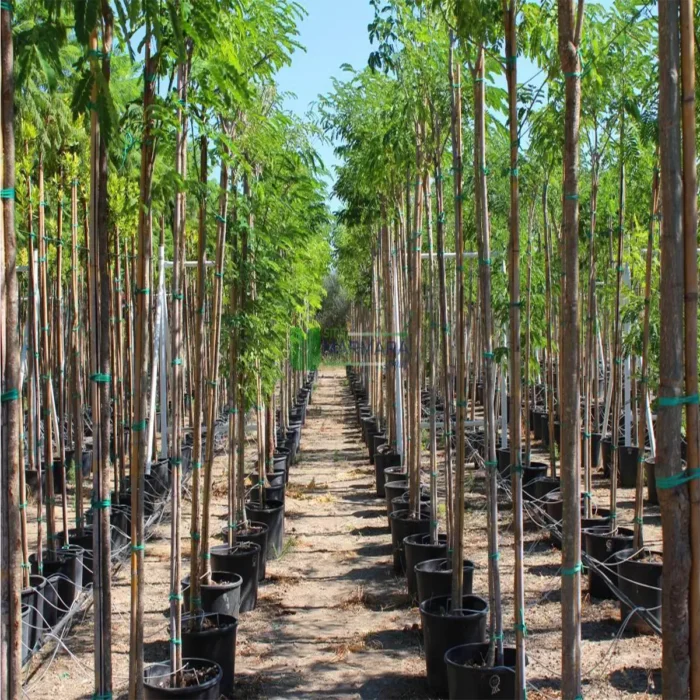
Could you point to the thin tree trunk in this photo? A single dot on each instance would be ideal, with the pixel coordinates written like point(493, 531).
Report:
point(10, 605)
point(673, 491)
point(690, 237)
point(570, 20)
point(139, 432)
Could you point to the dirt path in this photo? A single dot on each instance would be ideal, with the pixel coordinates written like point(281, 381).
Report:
point(332, 621)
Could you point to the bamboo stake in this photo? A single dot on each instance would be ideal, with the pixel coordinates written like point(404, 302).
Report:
point(179, 222)
point(141, 372)
point(514, 351)
point(458, 492)
point(484, 238)
point(617, 336)
point(35, 431)
point(591, 369)
point(77, 395)
point(549, 318)
point(198, 374)
point(214, 347)
point(60, 360)
point(445, 352)
point(690, 234)
point(642, 423)
point(432, 373)
point(416, 304)
point(46, 367)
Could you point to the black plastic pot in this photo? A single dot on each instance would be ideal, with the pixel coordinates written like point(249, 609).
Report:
point(256, 532)
point(538, 488)
point(65, 571)
point(628, 465)
point(272, 493)
point(272, 514)
point(375, 443)
point(533, 471)
point(384, 459)
point(503, 456)
point(606, 450)
point(418, 548)
point(223, 595)
point(281, 459)
point(602, 546)
point(445, 628)
point(639, 578)
point(85, 541)
point(595, 441)
point(277, 478)
point(157, 681)
point(650, 472)
point(33, 598)
point(544, 428)
point(217, 644)
point(396, 473)
point(392, 490)
point(27, 615)
point(537, 424)
point(242, 559)
point(468, 677)
point(434, 578)
point(402, 502)
point(403, 525)
point(51, 609)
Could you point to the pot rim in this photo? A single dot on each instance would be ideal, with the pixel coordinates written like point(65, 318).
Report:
point(470, 615)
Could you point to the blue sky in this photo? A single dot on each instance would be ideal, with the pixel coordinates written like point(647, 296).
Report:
point(334, 32)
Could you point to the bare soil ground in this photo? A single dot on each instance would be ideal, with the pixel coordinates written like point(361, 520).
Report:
point(332, 619)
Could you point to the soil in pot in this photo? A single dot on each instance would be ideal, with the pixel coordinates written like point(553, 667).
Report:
point(468, 677)
point(222, 595)
point(201, 680)
point(242, 559)
point(419, 548)
point(256, 532)
point(272, 514)
point(639, 578)
point(434, 578)
point(404, 524)
point(602, 545)
point(444, 627)
point(212, 637)
point(384, 459)
point(394, 473)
